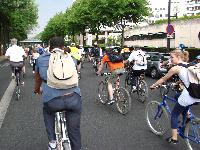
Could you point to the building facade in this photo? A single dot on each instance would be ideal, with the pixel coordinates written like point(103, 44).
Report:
point(186, 32)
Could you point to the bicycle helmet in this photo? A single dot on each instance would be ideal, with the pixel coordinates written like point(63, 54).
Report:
point(198, 57)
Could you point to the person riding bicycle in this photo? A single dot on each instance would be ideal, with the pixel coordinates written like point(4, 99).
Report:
point(139, 65)
point(115, 68)
point(76, 55)
point(184, 100)
point(55, 100)
point(16, 56)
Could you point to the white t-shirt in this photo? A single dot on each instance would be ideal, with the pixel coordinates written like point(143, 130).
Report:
point(137, 56)
point(15, 53)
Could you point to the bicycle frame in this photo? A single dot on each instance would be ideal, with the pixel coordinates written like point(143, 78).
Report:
point(181, 128)
point(62, 137)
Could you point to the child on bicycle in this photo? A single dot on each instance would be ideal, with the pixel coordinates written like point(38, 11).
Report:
point(184, 100)
point(115, 68)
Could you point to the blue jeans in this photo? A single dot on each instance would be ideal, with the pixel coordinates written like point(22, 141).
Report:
point(72, 104)
point(178, 109)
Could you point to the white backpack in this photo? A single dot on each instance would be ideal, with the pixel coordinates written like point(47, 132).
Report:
point(62, 73)
point(141, 60)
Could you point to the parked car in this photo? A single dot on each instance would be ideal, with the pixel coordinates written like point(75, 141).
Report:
point(155, 64)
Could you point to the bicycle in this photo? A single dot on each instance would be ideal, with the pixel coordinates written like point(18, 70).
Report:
point(157, 118)
point(141, 86)
point(121, 95)
point(17, 79)
point(62, 139)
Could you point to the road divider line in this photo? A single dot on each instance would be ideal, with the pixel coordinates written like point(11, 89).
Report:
point(5, 101)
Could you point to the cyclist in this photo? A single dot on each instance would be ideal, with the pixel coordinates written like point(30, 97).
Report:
point(16, 55)
point(35, 56)
point(139, 65)
point(125, 52)
point(76, 55)
point(184, 100)
point(54, 100)
point(115, 69)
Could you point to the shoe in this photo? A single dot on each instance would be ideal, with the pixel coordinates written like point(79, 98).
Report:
point(52, 145)
point(170, 140)
point(110, 102)
point(22, 83)
point(134, 89)
point(33, 72)
point(13, 75)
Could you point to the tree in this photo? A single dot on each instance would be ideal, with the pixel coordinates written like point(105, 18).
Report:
point(18, 17)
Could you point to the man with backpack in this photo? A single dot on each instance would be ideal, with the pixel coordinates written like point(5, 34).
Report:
point(116, 67)
point(57, 75)
point(139, 64)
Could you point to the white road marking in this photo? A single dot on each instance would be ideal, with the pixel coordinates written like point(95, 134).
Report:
point(5, 101)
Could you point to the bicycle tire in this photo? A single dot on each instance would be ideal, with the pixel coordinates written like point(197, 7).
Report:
point(17, 92)
point(123, 100)
point(192, 133)
point(142, 91)
point(161, 112)
point(17, 86)
point(58, 128)
point(102, 92)
point(66, 145)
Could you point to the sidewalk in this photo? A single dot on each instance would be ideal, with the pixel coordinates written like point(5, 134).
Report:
point(2, 58)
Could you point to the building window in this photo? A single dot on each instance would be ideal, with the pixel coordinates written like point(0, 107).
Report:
point(160, 15)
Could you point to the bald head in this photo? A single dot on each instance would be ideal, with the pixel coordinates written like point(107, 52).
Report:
point(13, 41)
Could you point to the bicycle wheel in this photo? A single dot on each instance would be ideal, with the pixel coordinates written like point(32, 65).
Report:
point(102, 92)
point(127, 83)
point(157, 118)
point(142, 91)
point(18, 92)
point(192, 136)
point(17, 86)
point(66, 145)
point(58, 127)
point(123, 100)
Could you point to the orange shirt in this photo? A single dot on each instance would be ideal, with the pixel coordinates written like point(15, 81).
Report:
point(112, 66)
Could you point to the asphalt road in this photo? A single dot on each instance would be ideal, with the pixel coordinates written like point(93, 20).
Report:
point(102, 127)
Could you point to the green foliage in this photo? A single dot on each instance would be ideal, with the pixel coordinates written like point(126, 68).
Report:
point(183, 18)
point(94, 14)
point(18, 17)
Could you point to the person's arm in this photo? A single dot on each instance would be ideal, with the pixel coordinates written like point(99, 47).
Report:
point(38, 80)
point(171, 72)
point(38, 83)
point(100, 68)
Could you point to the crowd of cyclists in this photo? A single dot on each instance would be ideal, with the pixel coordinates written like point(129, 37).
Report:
point(70, 99)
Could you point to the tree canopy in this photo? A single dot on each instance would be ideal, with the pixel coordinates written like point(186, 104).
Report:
point(18, 17)
point(93, 14)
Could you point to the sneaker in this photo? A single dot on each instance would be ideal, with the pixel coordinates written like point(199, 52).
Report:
point(52, 145)
point(134, 89)
point(22, 83)
point(110, 102)
point(170, 140)
point(33, 72)
point(13, 75)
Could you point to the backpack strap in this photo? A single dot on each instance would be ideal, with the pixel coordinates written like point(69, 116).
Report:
point(185, 66)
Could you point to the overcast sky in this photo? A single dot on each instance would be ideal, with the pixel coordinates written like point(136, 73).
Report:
point(47, 9)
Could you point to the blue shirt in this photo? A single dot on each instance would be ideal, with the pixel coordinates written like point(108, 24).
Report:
point(49, 93)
